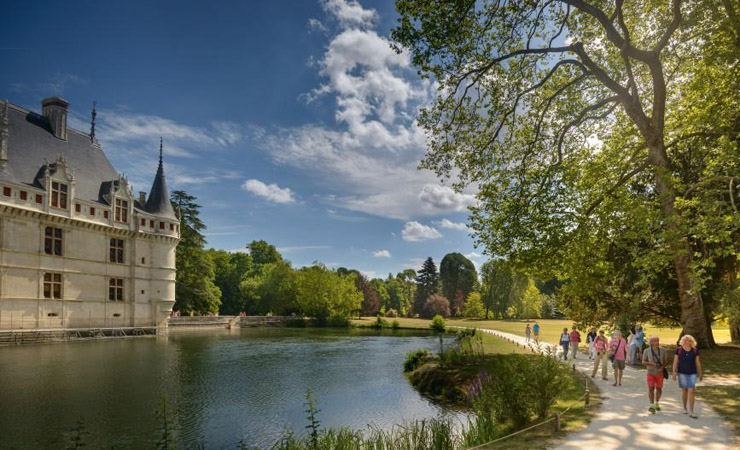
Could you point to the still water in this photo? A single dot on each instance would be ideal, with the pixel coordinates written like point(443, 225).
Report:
point(222, 386)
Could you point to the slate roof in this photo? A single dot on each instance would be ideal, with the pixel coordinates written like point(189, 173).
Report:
point(32, 144)
point(159, 199)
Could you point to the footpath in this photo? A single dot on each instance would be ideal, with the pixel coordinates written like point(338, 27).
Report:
point(623, 421)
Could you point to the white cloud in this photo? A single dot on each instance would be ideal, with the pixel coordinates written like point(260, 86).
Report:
point(271, 192)
point(414, 231)
point(445, 223)
point(444, 197)
point(350, 12)
point(382, 254)
point(473, 255)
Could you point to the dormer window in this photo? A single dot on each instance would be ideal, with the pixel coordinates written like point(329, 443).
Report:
point(121, 212)
point(59, 195)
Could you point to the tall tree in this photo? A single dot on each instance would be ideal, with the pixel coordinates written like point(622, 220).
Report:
point(427, 283)
point(370, 304)
point(195, 291)
point(230, 269)
point(537, 98)
point(263, 253)
point(457, 274)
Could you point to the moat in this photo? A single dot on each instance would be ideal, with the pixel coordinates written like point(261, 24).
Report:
point(223, 387)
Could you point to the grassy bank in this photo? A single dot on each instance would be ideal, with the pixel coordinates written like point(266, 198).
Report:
point(550, 329)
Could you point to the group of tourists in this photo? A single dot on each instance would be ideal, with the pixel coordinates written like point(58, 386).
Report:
point(686, 365)
point(618, 351)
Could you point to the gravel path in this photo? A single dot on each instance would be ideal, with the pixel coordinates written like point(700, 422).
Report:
point(623, 421)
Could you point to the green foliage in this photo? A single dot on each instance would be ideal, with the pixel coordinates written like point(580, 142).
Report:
point(531, 302)
point(263, 253)
point(370, 303)
point(395, 324)
point(166, 439)
point(521, 386)
point(457, 274)
point(474, 307)
point(503, 287)
point(438, 324)
point(324, 294)
point(229, 270)
point(415, 359)
point(314, 424)
point(427, 284)
point(602, 159)
point(380, 323)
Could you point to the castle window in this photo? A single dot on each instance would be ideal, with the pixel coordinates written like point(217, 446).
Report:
point(52, 285)
point(78, 207)
point(115, 289)
point(58, 195)
point(172, 227)
point(143, 222)
point(24, 195)
point(116, 251)
point(161, 225)
point(53, 241)
point(92, 211)
point(39, 199)
point(6, 191)
point(151, 224)
point(105, 214)
point(121, 214)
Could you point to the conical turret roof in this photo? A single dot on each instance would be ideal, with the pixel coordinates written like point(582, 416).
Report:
point(159, 197)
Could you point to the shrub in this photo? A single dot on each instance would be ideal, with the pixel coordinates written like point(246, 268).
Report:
point(546, 378)
point(474, 307)
point(415, 359)
point(395, 324)
point(296, 322)
point(436, 305)
point(380, 323)
point(391, 313)
point(438, 324)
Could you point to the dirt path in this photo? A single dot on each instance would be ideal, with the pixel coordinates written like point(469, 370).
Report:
point(623, 421)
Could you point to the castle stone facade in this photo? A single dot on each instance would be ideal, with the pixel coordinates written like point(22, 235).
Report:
point(77, 248)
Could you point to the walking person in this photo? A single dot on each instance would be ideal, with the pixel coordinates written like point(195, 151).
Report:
point(528, 333)
point(630, 341)
point(601, 345)
point(564, 341)
point(536, 330)
point(575, 339)
point(687, 367)
point(618, 350)
point(636, 345)
point(590, 339)
point(656, 360)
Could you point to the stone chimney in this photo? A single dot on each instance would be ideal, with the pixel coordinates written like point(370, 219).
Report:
point(55, 109)
point(142, 198)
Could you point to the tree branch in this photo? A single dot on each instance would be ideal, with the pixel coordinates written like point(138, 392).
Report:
point(676, 7)
point(580, 118)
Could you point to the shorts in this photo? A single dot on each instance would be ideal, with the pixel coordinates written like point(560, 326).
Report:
point(618, 364)
point(687, 380)
point(655, 381)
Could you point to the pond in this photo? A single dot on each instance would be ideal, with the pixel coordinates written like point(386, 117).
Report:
point(222, 386)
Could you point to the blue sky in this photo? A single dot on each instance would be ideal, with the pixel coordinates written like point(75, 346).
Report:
point(291, 121)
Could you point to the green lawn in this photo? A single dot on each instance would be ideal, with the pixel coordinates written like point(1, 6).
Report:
point(721, 362)
point(550, 329)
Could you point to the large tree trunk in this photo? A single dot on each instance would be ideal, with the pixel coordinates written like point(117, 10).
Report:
point(692, 308)
point(735, 331)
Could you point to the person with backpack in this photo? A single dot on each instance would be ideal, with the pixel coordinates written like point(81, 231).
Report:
point(656, 360)
point(575, 339)
point(618, 354)
point(564, 341)
point(687, 368)
point(536, 330)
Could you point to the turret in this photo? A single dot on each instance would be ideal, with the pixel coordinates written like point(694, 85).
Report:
point(158, 202)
